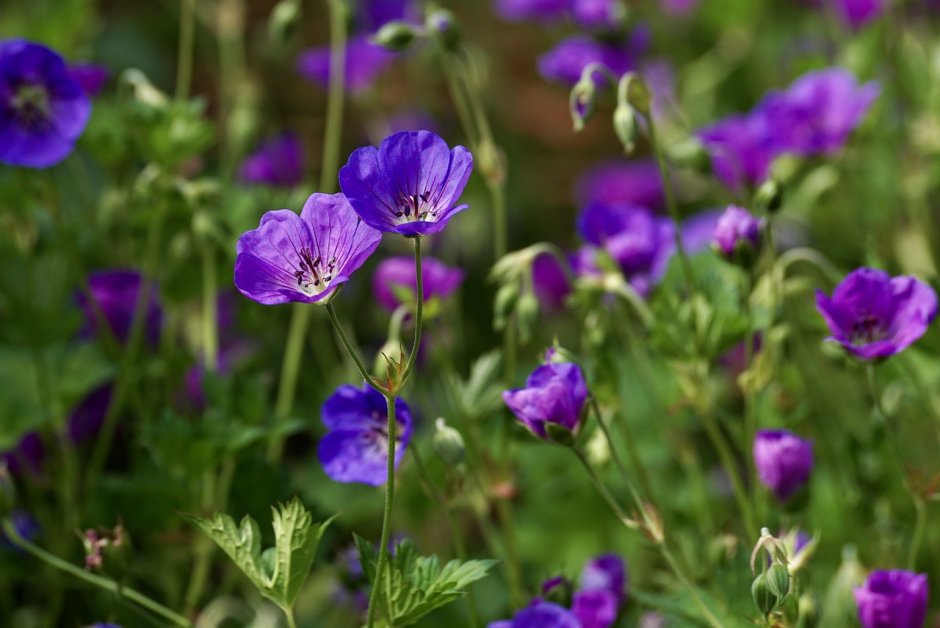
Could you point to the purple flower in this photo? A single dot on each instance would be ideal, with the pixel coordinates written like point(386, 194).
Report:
point(554, 394)
point(568, 58)
point(91, 76)
point(595, 609)
point(539, 614)
point(303, 258)
point(536, 10)
point(25, 525)
point(737, 231)
point(278, 162)
point(698, 231)
point(439, 279)
point(549, 281)
point(874, 315)
point(410, 184)
point(26, 456)
point(818, 111)
point(741, 148)
point(88, 416)
point(43, 109)
point(606, 572)
point(857, 13)
point(892, 599)
point(374, 14)
point(114, 295)
point(630, 182)
point(364, 62)
point(598, 14)
point(356, 447)
point(784, 461)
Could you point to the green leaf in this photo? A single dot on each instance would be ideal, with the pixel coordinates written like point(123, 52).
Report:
point(278, 573)
point(418, 584)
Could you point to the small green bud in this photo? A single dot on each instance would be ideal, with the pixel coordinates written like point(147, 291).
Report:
point(441, 23)
point(778, 580)
point(504, 303)
point(625, 127)
point(396, 36)
point(282, 24)
point(769, 196)
point(582, 101)
point(634, 91)
point(527, 313)
point(391, 350)
point(764, 598)
point(448, 443)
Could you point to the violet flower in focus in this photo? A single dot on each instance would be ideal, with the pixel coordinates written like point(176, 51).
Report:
point(554, 395)
point(356, 447)
point(114, 296)
point(409, 185)
point(43, 108)
point(303, 258)
point(364, 62)
point(818, 111)
point(278, 161)
point(91, 76)
point(439, 280)
point(893, 599)
point(874, 315)
point(784, 461)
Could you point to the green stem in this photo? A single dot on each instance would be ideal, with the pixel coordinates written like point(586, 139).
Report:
point(104, 583)
point(748, 392)
point(210, 332)
point(184, 58)
point(350, 349)
point(631, 448)
point(728, 462)
point(419, 313)
point(290, 371)
point(289, 614)
point(387, 515)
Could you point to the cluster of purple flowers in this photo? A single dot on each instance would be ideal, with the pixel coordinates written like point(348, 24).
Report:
point(595, 604)
point(814, 116)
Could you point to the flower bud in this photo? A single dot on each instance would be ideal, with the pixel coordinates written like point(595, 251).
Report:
point(764, 592)
point(778, 580)
point(582, 101)
point(283, 22)
point(441, 23)
point(105, 550)
point(558, 590)
point(390, 352)
point(738, 235)
point(527, 313)
point(448, 443)
point(634, 91)
point(625, 127)
point(504, 303)
point(769, 196)
point(396, 36)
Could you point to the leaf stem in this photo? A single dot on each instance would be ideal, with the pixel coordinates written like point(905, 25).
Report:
point(387, 515)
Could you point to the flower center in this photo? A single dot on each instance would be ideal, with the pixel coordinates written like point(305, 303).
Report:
point(414, 207)
point(313, 276)
point(31, 104)
point(867, 329)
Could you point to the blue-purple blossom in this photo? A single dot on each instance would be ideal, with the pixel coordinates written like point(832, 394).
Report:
point(409, 185)
point(374, 14)
point(26, 456)
point(364, 62)
point(25, 525)
point(784, 461)
point(817, 112)
point(535, 10)
point(43, 109)
point(629, 182)
point(91, 76)
point(303, 258)
point(549, 281)
point(598, 14)
point(555, 394)
point(606, 572)
point(874, 315)
point(737, 231)
point(439, 280)
point(539, 614)
point(356, 447)
point(595, 609)
point(278, 161)
point(857, 13)
point(565, 62)
point(893, 599)
point(88, 416)
point(741, 148)
point(114, 296)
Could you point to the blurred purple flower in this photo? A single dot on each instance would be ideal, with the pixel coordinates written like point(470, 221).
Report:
point(874, 315)
point(549, 280)
point(91, 76)
point(598, 14)
point(741, 148)
point(374, 14)
point(893, 599)
point(364, 62)
point(784, 461)
point(355, 448)
point(555, 393)
point(737, 230)
point(88, 416)
point(43, 109)
point(539, 614)
point(278, 161)
point(26, 456)
point(857, 13)
point(606, 572)
point(698, 230)
point(303, 258)
point(440, 280)
point(630, 182)
point(661, 78)
point(409, 185)
point(595, 609)
point(568, 58)
point(114, 295)
point(535, 10)
point(818, 111)
point(25, 525)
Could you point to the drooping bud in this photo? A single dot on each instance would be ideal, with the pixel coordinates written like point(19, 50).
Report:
point(442, 24)
point(769, 196)
point(582, 101)
point(763, 597)
point(397, 36)
point(282, 24)
point(632, 90)
point(448, 443)
point(625, 127)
